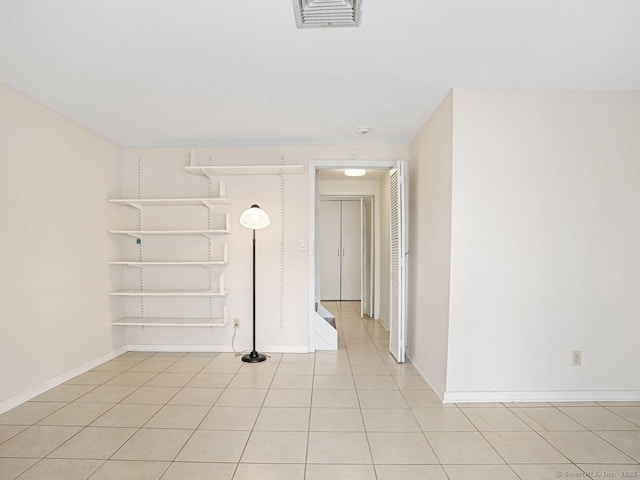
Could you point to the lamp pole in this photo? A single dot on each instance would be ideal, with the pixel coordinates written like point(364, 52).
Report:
point(254, 356)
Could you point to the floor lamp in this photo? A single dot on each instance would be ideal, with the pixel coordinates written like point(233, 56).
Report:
point(254, 218)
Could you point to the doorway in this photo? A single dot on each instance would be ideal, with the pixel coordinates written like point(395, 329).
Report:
point(390, 277)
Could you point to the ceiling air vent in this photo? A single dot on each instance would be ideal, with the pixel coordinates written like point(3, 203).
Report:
point(327, 13)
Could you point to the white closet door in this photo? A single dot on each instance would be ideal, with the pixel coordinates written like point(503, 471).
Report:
point(398, 227)
point(351, 250)
point(330, 249)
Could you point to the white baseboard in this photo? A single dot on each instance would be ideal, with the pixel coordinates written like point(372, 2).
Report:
point(544, 396)
point(33, 392)
point(216, 348)
point(185, 348)
point(286, 349)
point(384, 323)
point(437, 388)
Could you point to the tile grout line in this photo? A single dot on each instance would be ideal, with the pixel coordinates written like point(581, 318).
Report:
point(82, 428)
point(110, 458)
point(364, 425)
point(207, 414)
point(490, 444)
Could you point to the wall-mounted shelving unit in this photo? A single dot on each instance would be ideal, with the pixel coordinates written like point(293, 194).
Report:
point(212, 231)
point(142, 293)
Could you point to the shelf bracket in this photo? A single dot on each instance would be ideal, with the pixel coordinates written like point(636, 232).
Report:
point(222, 195)
point(227, 223)
point(221, 284)
point(225, 258)
point(135, 205)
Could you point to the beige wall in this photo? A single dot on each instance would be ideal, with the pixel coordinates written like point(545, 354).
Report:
point(55, 177)
point(523, 244)
point(164, 176)
point(545, 236)
point(430, 164)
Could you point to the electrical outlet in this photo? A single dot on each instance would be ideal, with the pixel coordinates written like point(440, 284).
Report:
point(576, 358)
point(236, 323)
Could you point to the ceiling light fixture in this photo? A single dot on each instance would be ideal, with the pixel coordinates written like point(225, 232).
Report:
point(354, 172)
point(327, 13)
point(363, 130)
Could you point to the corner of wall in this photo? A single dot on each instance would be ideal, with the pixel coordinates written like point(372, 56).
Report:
point(430, 178)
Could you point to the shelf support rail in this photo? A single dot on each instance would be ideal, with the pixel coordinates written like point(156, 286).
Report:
point(222, 194)
point(210, 227)
point(139, 239)
point(282, 191)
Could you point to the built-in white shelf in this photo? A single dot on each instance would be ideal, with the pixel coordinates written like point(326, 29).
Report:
point(207, 233)
point(220, 292)
point(169, 264)
point(169, 202)
point(175, 202)
point(204, 263)
point(170, 293)
point(214, 170)
point(140, 233)
point(170, 322)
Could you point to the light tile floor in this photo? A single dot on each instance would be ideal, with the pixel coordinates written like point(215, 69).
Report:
point(354, 414)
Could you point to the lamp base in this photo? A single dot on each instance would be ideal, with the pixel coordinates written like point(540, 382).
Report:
point(254, 357)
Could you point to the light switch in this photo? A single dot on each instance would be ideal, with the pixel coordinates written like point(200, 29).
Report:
point(303, 244)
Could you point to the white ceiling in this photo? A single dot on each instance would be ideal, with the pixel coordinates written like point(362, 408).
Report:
point(213, 72)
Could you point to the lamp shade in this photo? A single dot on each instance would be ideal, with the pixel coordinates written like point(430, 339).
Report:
point(254, 218)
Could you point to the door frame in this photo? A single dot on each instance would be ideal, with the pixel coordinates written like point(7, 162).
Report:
point(314, 197)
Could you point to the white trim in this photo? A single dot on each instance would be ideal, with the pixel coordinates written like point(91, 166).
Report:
point(186, 348)
point(314, 165)
point(286, 349)
point(311, 256)
point(217, 348)
point(545, 396)
point(437, 388)
point(535, 396)
point(33, 392)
